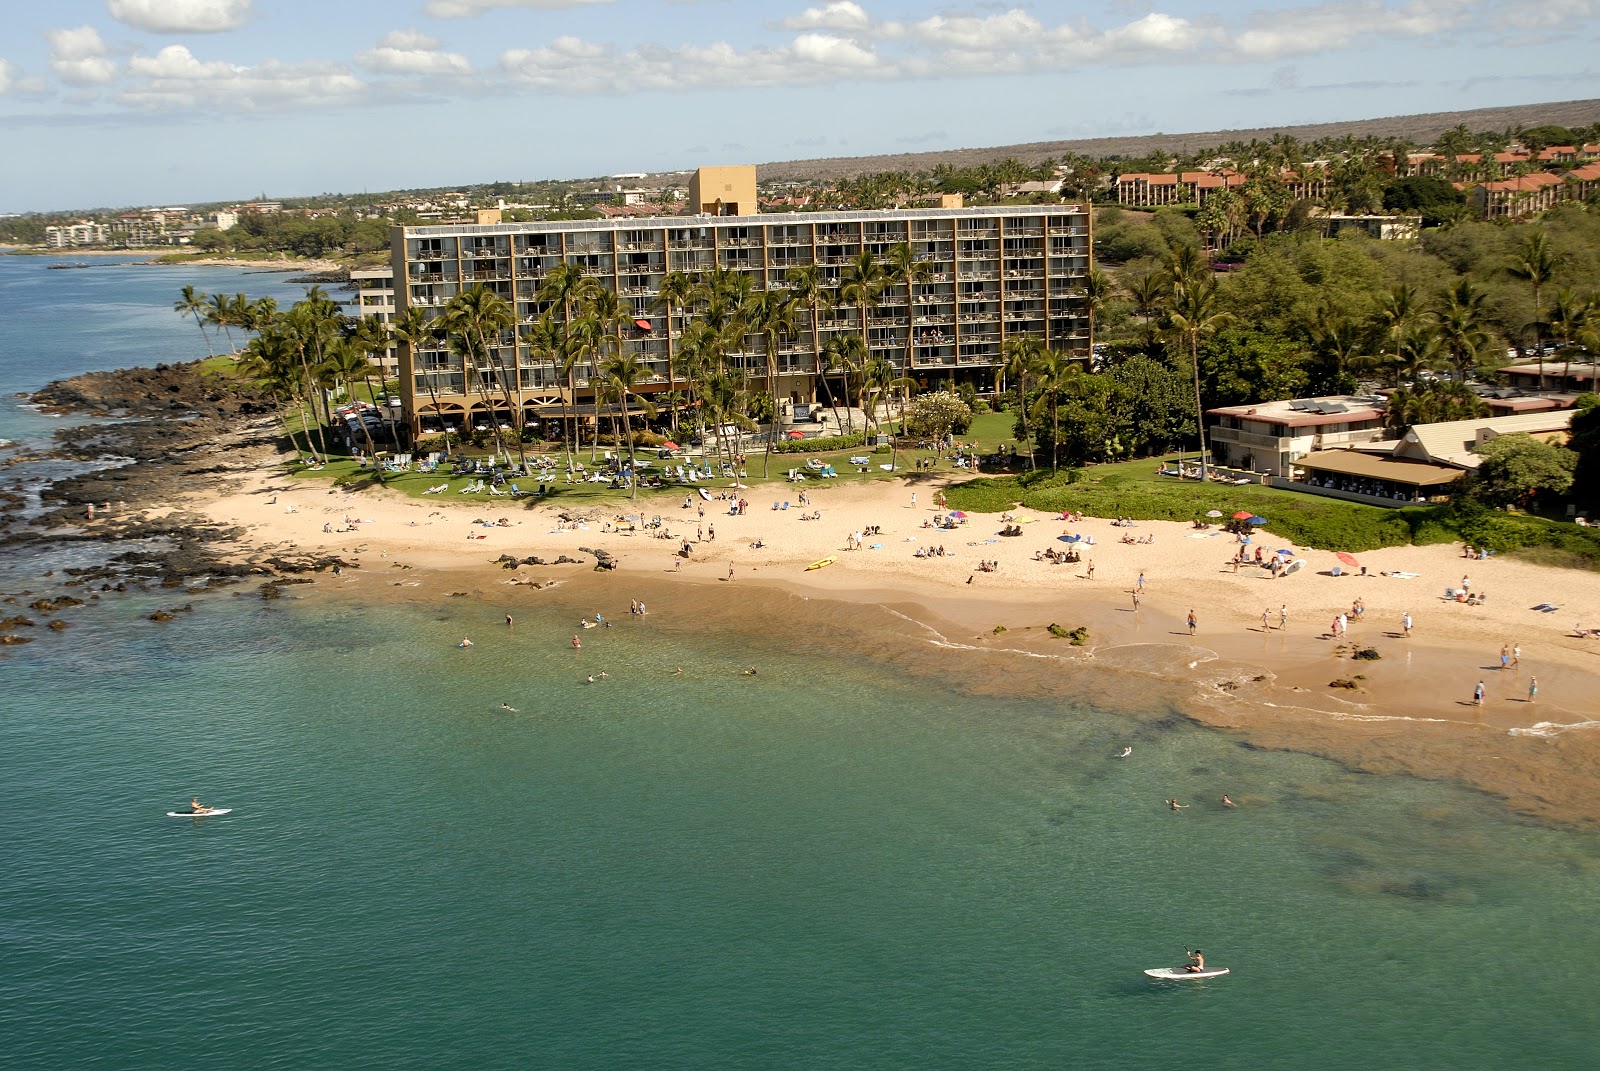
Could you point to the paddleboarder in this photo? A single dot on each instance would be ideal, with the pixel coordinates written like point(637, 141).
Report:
point(1197, 962)
point(195, 805)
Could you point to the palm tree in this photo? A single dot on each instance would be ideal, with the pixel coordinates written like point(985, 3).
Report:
point(415, 329)
point(1149, 292)
point(1397, 313)
point(673, 294)
point(810, 288)
point(374, 336)
point(565, 287)
point(848, 353)
point(1195, 313)
point(1461, 327)
point(269, 359)
point(776, 317)
point(1019, 356)
point(861, 284)
point(622, 374)
point(347, 361)
point(193, 303)
point(1055, 371)
point(909, 271)
point(220, 313)
point(1534, 263)
point(480, 316)
point(1098, 287)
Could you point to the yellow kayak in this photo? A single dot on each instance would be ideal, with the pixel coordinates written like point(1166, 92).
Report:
point(822, 564)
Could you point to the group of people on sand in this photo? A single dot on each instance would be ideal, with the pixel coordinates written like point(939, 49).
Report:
point(930, 552)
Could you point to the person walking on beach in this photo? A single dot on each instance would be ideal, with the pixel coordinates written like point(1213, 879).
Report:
point(1091, 568)
point(913, 500)
point(1477, 695)
point(1283, 616)
point(730, 572)
point(711, 530)
point(1505, 657)
point(1405, 624)
point(1533, 689)
point(1141, 580)
point(1136, 602)
point(1516, 655)
point(1265, 618)
point(1192, 622)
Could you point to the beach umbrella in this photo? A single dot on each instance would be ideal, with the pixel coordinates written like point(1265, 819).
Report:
point(1070, 538)
point(797, 435)
point(1256, 520)
point(1243, 515)
point(669, 445)
point(1348, 559)
point(1285, 552)
point(959, 515)
point(1213, 513)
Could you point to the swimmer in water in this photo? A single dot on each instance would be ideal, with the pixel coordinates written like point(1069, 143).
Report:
point(508, 706)
point(1126, 752)
point(1175, 805)
point(575, 643)
point(591, 678)
point(1226, 802)
point(464, 642)
point(751, 672)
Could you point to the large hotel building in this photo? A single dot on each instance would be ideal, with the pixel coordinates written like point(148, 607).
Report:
point(995, 273)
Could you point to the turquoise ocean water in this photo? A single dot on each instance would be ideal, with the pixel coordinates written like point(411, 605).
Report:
point(829, 865)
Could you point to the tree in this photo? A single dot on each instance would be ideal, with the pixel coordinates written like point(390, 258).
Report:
point(861, 284)
point(1194, 314)
point(776, 317)
point(1585, 445)
point(1019, 356)
point(1535, 264)
point(479, 316)
point(938, 414)
point(1055, 373)
point(1519, 469)
point(565, 288)
point(415, 329)
point(1434, 199)
point(672, 296)
point(848, 354)
point(621, 376)
point(220, 313)
point(193, 303)
point(907, 270)
point(1460, 320)
point(1097, 290)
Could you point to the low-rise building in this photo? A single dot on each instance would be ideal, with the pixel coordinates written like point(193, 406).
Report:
point(1556, 374)
point(1513, 198)
point(1271, 437)
point(1382, 228)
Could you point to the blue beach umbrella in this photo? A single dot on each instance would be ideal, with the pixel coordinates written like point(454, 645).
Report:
point(1285, 552)
point(1257, 520)
point(1070, 538)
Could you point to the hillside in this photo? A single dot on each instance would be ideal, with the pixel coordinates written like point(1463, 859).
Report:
point(1418, 128)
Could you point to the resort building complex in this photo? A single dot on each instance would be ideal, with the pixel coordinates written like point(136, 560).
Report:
point(989, 275)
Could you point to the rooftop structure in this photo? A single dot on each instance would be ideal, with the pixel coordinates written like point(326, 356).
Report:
point(1451, 442)
point(993, 274)
point(1271, 437)
point(723, 191)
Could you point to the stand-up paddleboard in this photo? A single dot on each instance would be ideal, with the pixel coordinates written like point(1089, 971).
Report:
point(1294, 566)
point(1178, 974)
point(209, 812)
point(823, 564)
point(704, 493)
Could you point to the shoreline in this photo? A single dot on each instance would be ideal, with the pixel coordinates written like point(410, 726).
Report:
point(1411, 712)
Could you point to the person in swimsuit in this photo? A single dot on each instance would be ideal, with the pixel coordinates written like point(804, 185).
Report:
point(1197, 962)
point(196, 806)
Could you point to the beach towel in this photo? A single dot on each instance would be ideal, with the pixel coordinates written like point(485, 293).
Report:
point(1546, 608)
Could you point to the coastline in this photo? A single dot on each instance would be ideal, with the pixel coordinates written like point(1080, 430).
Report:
point(1412, 712)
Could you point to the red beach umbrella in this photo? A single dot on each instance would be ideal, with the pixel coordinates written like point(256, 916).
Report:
point(1348, 559)
point(797, 435)
point(1243, 515)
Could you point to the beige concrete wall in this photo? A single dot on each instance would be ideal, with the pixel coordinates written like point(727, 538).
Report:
point(724, 191)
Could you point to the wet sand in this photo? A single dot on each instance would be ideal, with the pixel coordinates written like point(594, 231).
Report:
point(1410, 711)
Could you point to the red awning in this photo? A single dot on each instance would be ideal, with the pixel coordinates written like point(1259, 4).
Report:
point(643, 325)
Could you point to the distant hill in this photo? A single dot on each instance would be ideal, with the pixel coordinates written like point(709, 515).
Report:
point(1418, 128)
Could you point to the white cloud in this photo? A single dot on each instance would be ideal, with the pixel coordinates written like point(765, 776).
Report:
point(79, 57)
point(573, 66)
point(466, 9)
point(411, 52)
point(173, 79)
point(180, 16)
point(838, 15)
point(7, 74)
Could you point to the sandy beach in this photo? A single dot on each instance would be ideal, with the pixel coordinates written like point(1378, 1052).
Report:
point(1260, 661)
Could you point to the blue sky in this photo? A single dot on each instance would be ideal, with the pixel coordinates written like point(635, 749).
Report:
point(124, 102)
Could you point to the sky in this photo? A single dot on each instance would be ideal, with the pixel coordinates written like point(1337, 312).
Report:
point(161, 102)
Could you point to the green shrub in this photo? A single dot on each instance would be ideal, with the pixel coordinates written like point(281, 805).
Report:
point(820, 446)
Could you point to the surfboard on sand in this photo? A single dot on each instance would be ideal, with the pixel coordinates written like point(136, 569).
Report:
point(704, 493)
point(823, 564)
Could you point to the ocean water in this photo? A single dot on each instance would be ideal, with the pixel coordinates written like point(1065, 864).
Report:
point(840, 862)
point(116, 313)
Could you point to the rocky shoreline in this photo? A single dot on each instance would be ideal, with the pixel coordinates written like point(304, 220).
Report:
point(161, 435)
